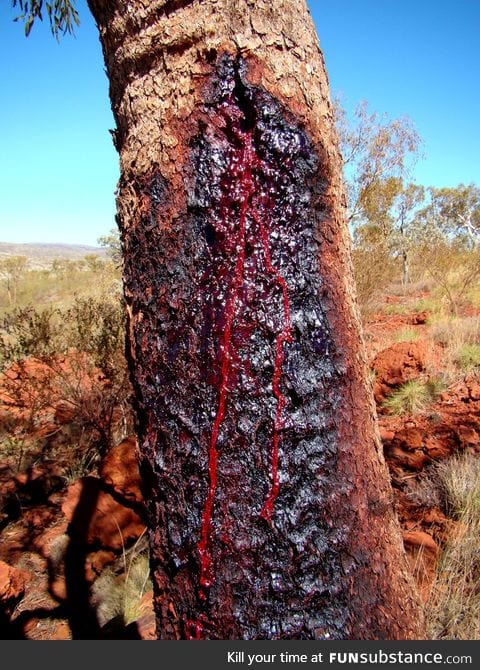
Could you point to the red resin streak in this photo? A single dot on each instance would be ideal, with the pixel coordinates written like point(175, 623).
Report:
point(243, 171)
point(243, 162)
point(284, 336)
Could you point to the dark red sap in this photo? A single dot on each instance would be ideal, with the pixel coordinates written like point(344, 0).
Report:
point(246, 206)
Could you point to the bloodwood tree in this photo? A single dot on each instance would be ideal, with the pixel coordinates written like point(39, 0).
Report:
point(269, 502)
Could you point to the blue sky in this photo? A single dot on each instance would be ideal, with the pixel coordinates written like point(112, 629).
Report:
point(58, 168)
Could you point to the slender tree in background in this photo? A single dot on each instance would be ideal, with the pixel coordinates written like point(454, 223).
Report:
point(12, 269)
point(270, 508)
point(455, 212)
point(388, 209)
point(374, 150)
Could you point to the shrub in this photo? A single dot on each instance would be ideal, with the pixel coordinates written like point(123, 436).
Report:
point(79, 364)
point(467, 357)
point(406, 335)
point(118, 596)
point(96, 327)
point(454, 332)
point(395, 309)
point(413, 396)
point(453, 610)
point(28, 332)
point(410, 398)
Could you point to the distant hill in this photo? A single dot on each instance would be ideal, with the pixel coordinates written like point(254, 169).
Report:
point(41, 255)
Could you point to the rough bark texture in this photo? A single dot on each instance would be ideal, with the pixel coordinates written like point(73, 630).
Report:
point(270, 506)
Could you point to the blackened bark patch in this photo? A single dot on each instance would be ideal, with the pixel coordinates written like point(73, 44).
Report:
point(236, 380)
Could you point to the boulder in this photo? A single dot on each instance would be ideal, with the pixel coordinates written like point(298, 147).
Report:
point(96, 518)
point(473, 391)
point(396, 365)
point(411, 459)
point(119, 470)
point(467, 436)
point(421, 540)
point(96, 561)
point(410, 438)
point(12, 586)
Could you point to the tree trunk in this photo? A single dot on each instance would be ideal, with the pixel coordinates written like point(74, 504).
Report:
point(270, 508)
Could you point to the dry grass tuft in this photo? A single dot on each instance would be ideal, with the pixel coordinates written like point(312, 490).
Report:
point(414, 396)
point(453, 610)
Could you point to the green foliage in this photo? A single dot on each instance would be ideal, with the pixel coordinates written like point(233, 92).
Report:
point(80, 370)
point(113, 245)
point(374, 149)
point(12, 269)
point(28, 332)
point(62, 15)
point(403, 231)
point(467, 357)
point(413, 396)
point(374, 269)
point(410, 398)
point(89, 277)
point(95, 327)
point(456, 212)
point(406, 335)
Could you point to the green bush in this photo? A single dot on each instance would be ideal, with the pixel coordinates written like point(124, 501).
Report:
point(93, 326)
point(28, 332)
point(467, 357)
point(413, 396)
point(406, 335)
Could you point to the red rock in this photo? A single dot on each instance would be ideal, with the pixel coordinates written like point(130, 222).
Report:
point(119, 470)
point(46, 385)
point(419, 318)
point(410, 438)
point(97, 518)
point(437, 448)
point(12, 585)
point(413, 460)
point(96, 561)
point(21, 478)
point(467, 436)
point(386, 435)
point(58, 588)
point(473, 391)
point(417, 538)
point(435, 516)
point(396, 365)
point(8, 488)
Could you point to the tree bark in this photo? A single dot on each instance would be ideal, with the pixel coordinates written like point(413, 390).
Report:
point(270, 508)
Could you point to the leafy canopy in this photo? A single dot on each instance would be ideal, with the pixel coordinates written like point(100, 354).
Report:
point(374, 149)
point(62, 15)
